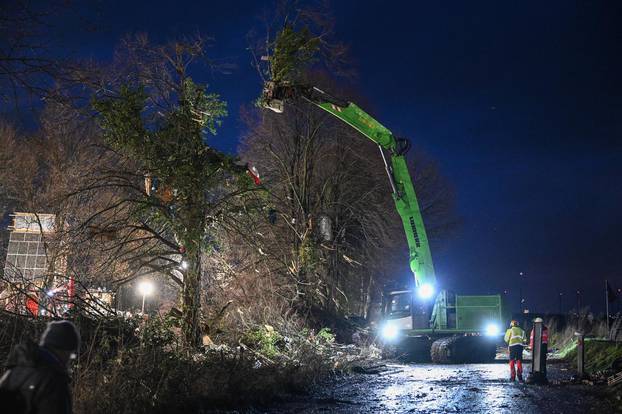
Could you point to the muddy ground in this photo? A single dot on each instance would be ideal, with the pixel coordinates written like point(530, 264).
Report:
point(426, 388)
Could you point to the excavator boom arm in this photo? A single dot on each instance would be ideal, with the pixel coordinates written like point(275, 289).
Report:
point(401, 182)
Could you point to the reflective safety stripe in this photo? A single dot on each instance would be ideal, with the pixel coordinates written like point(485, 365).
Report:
point(515, 336)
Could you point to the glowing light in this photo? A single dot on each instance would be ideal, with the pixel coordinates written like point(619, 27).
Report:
point(493, 329)
point(184, 264)
point(145, 288)
point(389, 332)
point(426, 291)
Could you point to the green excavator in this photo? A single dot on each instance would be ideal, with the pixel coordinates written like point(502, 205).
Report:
point(421, 323)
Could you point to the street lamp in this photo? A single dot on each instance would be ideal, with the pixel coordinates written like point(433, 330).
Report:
point(145, 288)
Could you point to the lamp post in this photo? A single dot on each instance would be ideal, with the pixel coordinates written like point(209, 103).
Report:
point(561, 294)
point(145, 288)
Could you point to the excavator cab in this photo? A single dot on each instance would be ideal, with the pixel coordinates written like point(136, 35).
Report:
point(406, 310)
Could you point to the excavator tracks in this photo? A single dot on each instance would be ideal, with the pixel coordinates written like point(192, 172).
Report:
point(462, 350)
point(410, 349)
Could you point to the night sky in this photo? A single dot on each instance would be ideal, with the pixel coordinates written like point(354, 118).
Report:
point(521, 105)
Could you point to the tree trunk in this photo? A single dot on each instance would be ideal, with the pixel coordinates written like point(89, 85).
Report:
point(191, 302)
point(368, 296)
point(362, 303)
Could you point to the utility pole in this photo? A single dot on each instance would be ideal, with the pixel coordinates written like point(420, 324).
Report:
point(561, 295)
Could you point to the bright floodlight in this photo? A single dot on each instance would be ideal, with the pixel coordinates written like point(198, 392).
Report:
point(425, 291)
point(389, 332)
point(145, 288)
point(492, 329)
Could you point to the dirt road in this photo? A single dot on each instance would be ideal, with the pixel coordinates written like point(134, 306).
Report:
point(422, 388)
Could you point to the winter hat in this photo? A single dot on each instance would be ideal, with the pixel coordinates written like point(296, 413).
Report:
point(61, 335)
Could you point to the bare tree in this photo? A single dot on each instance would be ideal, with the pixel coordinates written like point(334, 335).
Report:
point(31, 64)
point(38, 171)
point(336, 231)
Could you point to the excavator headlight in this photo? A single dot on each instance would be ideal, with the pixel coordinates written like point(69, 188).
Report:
point(492, 329)
point(425, 291)
point(389, 331)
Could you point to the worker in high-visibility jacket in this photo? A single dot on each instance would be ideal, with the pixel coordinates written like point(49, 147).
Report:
point(515, 338)
point(544, 347)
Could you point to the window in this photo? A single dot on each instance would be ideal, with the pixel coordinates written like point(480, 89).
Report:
point(399, 305)
point(25, 256)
